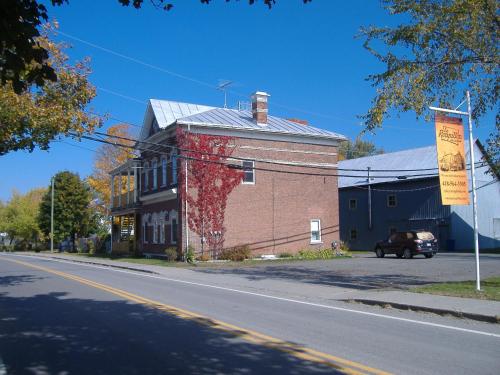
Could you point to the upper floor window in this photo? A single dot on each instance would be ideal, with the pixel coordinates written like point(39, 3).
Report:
point(315, 231)
point(163, 172)
point(248, 172)
point(353, 203)
point(391, 200)
point(155, 174)
point(173, 160)
point(146, 176)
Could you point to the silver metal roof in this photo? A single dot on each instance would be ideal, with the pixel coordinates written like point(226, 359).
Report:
point(242, 120)
point(417, 158)
point(167, 112)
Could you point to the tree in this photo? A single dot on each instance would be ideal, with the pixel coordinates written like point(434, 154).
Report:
point(445, 48)
point(358, 149)
point(211, 181)
point(18, 217)
point(107, 158)
point(72, 214)
point(34, 112)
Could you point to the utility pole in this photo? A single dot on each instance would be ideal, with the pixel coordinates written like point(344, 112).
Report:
point(52, 217)
point(474, 198)
point(472, 176)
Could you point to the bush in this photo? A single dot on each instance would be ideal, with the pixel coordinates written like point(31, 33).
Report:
point(90, 247)
point(285, 255)
point(236, 254)
point(204, 258)
point(171, 253)
point(326, 253)
point(190, 254)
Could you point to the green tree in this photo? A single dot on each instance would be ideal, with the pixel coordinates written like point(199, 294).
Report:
point(73, 216)
point(358, 149)
point(18, 217)
point(442, 49)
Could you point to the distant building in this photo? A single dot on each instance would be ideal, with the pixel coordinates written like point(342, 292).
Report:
point(271, 211)
point(408, 197)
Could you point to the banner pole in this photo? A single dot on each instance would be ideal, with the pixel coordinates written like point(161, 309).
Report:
point(474, 198)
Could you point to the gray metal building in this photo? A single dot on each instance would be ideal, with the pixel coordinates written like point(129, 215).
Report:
point(403, 194)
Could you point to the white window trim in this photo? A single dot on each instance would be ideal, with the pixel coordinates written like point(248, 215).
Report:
point(395, 200)
point(154, 166)
point(164, 171)
point(310, 230)
point(146, 176)
point(253, 171)
point(355, 204)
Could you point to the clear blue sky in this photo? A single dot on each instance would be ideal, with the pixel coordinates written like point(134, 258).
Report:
point(305, 56)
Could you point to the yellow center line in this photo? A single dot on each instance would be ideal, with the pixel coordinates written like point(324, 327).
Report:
point(340, 364)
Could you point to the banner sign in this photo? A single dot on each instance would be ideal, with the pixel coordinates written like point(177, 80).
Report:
point(451, 160)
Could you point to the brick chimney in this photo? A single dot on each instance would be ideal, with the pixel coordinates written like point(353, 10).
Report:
point(259, 107)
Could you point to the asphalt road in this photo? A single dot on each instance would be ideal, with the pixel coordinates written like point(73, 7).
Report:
point(61, 322)
point(367, 272)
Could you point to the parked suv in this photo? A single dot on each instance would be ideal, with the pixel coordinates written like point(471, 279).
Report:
point(407, 244)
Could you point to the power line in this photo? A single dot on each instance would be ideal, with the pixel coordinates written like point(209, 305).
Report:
point(282, 163)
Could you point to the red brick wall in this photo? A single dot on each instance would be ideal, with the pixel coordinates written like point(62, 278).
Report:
point(273, 215)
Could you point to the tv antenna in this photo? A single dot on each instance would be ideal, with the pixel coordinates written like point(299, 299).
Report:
point(222, 86)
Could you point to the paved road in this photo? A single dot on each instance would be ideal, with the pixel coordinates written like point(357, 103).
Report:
point(54, 323)
point(366, 272)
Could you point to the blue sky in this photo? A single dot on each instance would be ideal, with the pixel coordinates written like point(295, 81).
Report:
point(305, 56)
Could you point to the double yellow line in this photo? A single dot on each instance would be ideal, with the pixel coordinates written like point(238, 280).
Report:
point(340, 364)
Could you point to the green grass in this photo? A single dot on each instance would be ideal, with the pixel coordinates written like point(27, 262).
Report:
point(490, 289)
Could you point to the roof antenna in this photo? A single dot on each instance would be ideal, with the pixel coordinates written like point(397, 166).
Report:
point(222, 86)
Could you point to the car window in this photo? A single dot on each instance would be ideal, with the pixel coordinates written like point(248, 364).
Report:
point(409, 236)
point(425, 236)
point(393, 237)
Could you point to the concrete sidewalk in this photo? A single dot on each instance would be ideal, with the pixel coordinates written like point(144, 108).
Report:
point(481, 310)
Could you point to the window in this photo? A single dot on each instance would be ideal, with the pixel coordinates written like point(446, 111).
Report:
point(162, 231)
point(163, 172)
point(248, 172)
point(353, 203)
point(391, 200)
point(146, 176)
point(174, 168)
point(144, 233)
point(315, 231)
point(155, 231)
point(353, 234)
point(155, 174)
point(173, 231)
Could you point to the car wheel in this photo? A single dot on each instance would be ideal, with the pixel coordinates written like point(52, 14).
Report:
point(399, 255)
point(429, 255)
point(407, 254)
point(379, 252)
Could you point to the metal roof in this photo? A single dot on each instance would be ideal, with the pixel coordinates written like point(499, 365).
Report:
point(416, 158)
point(169, 112)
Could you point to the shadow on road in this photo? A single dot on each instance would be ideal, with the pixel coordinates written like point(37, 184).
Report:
point(322, 277)
point(17, 279)
point(55, 334)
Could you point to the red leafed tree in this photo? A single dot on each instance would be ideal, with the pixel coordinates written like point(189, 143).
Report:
point(210, 181)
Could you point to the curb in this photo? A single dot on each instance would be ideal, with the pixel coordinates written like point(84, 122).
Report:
point(404, 306)
point(99, 264)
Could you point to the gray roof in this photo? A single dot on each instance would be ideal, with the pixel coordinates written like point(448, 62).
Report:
point(169, 112)
point(408, 163)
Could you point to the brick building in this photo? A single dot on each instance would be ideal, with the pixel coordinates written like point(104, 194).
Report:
point(287, 201)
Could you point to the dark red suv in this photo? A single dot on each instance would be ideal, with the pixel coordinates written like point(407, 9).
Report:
point(407, 244)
